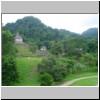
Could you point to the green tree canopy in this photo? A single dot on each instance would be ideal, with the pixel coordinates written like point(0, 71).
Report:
point(46, 80)
point(57, 48)
point(9, 71)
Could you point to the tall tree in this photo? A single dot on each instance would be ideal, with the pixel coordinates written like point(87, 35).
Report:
point(57, 48)
point(7, 41)
point(9, 71)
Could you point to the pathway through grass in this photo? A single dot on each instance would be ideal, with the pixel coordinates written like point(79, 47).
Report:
point(74, 76)
point(83, 81)
point(27, 68)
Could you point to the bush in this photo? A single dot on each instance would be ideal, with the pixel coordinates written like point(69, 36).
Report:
point(58, 72)
point(9, 72)
point(46, 65)
point(51, 66)
point(70, 66)
point(88, 59)
point(78, 67)
point(46, 79)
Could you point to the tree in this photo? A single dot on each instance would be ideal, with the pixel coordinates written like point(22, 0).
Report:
point(51, 66)
point(92, 45)
point(9, 71)
point(46, 79)
point(88, 59)
point(56, 48)
point(76, 46)
point(7, 43)
point(70, 66)
point(58, 72)
point(32, 28)
point(46, 65)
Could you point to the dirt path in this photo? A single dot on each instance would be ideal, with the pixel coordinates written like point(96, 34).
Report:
point(74, 80)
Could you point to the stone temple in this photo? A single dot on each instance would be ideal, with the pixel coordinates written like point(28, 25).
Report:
point(18, 39)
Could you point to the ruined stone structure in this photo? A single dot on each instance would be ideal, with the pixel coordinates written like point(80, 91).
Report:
point(18, 38)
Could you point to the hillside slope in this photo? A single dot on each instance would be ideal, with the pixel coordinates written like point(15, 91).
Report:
point(23, 50)
point(34, 31)
point(90, 33)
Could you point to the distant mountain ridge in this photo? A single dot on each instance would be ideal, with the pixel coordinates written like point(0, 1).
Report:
point(90, 33)
point(35, 32)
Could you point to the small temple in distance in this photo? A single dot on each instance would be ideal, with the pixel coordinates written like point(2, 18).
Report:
point(18, 39)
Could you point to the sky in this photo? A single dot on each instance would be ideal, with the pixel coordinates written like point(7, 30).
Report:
point(73, 22)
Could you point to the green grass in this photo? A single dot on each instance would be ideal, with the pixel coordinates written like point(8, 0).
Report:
point(86, 82)
point(78, 75)
point(27, 69)
point(23, 50)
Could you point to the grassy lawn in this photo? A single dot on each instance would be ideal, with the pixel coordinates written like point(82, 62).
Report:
point(78, 75)
point(27, 68)
point(27, 71)
point(74, 76)
point(86, 82)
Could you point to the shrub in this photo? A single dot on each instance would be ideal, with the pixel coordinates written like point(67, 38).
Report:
point(51, 66)
point(78, 67)
point(58, 72)
point(70, 66)
point(9, 72)
point(88, 59)
point(46, 79)
point(46, 65)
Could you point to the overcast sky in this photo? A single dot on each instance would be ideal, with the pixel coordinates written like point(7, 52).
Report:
point(72, 22)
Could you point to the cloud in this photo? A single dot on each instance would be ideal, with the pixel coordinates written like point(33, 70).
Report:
point(91, 20)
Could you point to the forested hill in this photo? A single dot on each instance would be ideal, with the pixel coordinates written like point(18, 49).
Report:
point(90, 33)
point(35, 32)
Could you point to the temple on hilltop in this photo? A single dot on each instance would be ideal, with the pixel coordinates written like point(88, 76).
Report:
point(18, 39)
point(43, 48)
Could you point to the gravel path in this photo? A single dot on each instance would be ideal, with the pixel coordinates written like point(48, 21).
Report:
point(74, 80)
